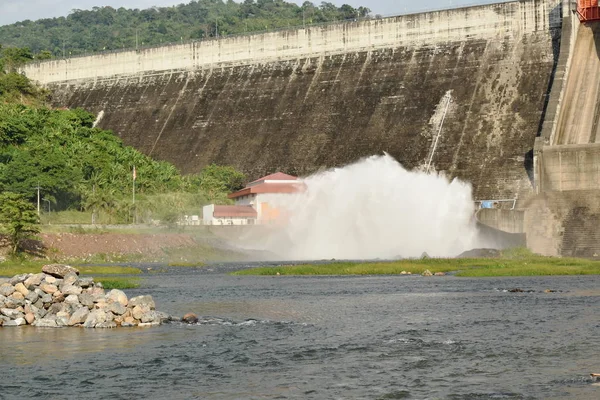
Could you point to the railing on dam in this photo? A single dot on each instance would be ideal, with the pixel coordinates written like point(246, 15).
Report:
point(588, 10)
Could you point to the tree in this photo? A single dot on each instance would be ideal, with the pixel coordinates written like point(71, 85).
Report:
point(18, 219)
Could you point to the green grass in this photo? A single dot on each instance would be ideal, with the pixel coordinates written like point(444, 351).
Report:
point(519, 262)
point(14, 267)
point(118, 282)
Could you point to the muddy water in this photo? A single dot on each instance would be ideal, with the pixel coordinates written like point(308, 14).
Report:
point(325, 338)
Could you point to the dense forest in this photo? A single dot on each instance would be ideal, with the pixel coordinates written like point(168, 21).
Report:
point(106, 28)
point(79, 167)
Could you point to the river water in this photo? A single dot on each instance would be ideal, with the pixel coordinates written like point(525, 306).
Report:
point(383, 337)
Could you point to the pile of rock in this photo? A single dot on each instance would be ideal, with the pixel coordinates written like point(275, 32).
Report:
point(58, 297)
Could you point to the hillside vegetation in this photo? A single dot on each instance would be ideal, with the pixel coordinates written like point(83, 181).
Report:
point(79, 167)
point(107, 28)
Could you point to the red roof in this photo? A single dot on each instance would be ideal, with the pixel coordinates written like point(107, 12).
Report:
point(277, 176)
point(234, 211)
point(268, 188)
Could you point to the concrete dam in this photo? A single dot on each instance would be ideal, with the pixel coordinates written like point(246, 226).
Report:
point(461, 91)
point(490, 94)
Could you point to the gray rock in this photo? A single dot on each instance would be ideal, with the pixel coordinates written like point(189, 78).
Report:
point(3, 281)
point(79, 316)
point(47, 298)
point(62, 320)
point(47, 322)
point(39, 304)
point(117, 308)
point(55, 308)
point(117, 296)
point(94, 318)
point(18, 279)
point(70, 279)
point(142, 300)
point(12, 302)
point(59, 270)
point(72, 299)
point(6, 289)
point(138, 311)
point(34, 280)
point(16, 322)
point(150, 316)
point(86, 299)
point(10, 313)
point(106, 324)
point(32, 296)
point(86, 282)
point(149, 324)
point(70, 289)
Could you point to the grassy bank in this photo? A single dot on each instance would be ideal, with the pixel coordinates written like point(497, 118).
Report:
point(12, 268)
point(111, 282)
point(520, 263)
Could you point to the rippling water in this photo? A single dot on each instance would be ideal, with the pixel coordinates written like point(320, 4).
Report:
point(325, 338)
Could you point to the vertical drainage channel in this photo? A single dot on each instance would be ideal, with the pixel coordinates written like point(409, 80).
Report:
point(447, 99)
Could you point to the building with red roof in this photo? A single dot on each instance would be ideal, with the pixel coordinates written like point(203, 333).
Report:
point(253, 204)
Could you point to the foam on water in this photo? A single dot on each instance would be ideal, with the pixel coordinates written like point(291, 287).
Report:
point(375, 208)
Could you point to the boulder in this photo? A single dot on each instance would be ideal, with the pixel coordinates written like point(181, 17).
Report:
point(70, 279)
point(20, 287)
point(72, 299)
point(32, 296)
point(11, 313)
point(85, 282)
point(16, 322)
point(29, 317)
point(50, 279)
point(117, 295)
point(47, 322)
point(18, 279)
point(17, 296)
point(138, 311)
point(48, 288)
point(70, 289)
point(34, 280)
point(94, 318)
point(86, 299)
point(6, 289)
point(106, 324)
point(190, 318)
point(59, 270)
point(440, 274)
point(79, 316)
point(117, 308)
point(142, 300)
point(427, 273)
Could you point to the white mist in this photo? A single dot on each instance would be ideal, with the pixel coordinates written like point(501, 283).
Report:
point(376, 209)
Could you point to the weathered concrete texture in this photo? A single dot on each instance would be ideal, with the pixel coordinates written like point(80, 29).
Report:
point(302, 115)
point(505, 220)
point(564, 223)
point(579, 116)
point(512, 20)
point(328, 97)
point(569, 167)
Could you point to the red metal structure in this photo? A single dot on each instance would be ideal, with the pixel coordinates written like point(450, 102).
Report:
point(588, 10)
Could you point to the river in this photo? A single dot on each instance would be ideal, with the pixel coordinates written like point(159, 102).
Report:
point(360, 337)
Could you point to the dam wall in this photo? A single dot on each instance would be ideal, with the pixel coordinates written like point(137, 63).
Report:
point(458, 91)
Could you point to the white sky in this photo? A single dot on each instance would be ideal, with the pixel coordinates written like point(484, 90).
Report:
point(18, 10)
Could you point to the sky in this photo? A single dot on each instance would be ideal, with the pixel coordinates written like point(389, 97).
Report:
point(18, 10)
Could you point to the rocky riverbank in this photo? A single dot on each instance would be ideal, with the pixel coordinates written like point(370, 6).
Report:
point(59, 297)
